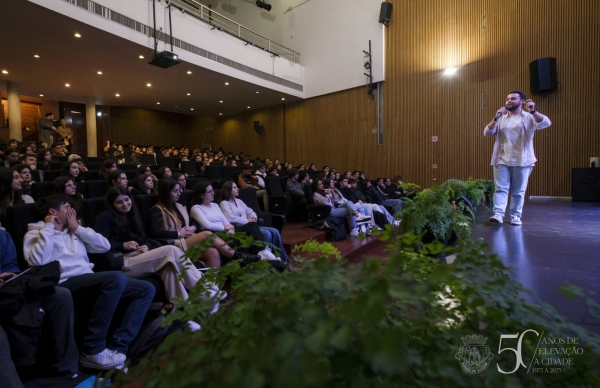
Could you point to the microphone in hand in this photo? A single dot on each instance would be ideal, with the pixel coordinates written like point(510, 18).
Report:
point(499, 114)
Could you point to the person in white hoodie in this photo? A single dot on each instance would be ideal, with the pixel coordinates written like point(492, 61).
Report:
point(60, 237)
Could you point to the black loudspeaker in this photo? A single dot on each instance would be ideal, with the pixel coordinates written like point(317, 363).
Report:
point(386, 13)
point(257, 126)
point(542, 74)
point(585, 184)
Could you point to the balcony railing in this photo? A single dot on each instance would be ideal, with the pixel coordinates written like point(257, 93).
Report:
point(224, 24)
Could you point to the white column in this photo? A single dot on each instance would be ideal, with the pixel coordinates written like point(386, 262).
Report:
point(90, 123)
point(14, 111)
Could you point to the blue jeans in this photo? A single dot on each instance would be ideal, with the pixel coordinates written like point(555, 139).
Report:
point(387, 214)
point(272, 236)
point(106, 291)
point(395, 204)
point(514, 178)
point(344, 211)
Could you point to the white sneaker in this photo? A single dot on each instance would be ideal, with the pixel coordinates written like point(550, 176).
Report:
point(497, 219)
point(104, 360)
point(514, 220)
point(397, 223)
point(194, 326)
point(354, 232)
point(266, 255)
point(361, 217)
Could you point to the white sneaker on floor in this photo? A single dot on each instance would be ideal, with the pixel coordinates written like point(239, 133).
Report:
point(397, 223)
point(497, 219)
point(354, 232)
point(194, 326)
point(104, 360)
point(514, 220)
point(361, 217)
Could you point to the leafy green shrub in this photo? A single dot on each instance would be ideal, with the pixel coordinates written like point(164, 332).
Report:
point(431, 210)
point(393, 323)
point(411, 188)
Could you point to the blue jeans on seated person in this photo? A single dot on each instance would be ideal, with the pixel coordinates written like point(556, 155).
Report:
point(387, 214)
point(357, 207)
point(106, 291)
point(272, 236)
point(396, 204)
point(514, 178)
point(342, 212)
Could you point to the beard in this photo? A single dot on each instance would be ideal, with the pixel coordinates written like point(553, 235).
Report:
point(512, 107)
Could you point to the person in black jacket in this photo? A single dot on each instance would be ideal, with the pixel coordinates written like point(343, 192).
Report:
point(18, 343)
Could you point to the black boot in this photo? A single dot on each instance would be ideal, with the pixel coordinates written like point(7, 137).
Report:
point(246, 258)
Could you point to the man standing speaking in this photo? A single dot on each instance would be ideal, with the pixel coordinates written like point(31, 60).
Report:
point(513, 158)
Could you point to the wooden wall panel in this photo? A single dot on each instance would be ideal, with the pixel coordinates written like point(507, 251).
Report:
point(492, 43)
point(147, 126)
point(237, 133)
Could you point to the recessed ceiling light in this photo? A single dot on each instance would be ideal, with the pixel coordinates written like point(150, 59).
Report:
point(68, 85)
point(141, 57)
point(99, 114)
point(220, 114)
point(158, 103)
point(41, 95)
point(189, 94)
point(189, 72)
point(191, 108)
point(226, 83)
point(221, 101)
point(148, 85)
point(248, 107)
point(257, 92)
point(77, 35)
point(282, 98)
point(99, 73)
point(118, 95)
point(4, 71)
point(36, 56)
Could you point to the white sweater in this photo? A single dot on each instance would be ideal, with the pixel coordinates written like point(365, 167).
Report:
point(209, 217)
point(238, 212)
point(43, 244)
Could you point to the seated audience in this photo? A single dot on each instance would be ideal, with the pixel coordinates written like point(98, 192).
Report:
point(293, 186)
point(324, 196)
point(71, 170)
point(119, 154)
point(108, 166)
point(312, 167)
point(25, 173)
point(272, 171)
point(119, 179)
point(381, 192)
point(30, 160)
point(11, 192)
point(164, 172)
point(44, 159)
point(181, 181)
point(246, 179)
point(122, 227)
point(144, 184)
point(209, 215)
point(59, 237)
point(350, 190)
point(170, 219)
point(236, 212)
point(12, 157)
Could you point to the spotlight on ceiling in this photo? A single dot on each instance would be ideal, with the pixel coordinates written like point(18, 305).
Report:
point(263, 5)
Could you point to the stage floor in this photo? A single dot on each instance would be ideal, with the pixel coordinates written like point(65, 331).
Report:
point(559, 242)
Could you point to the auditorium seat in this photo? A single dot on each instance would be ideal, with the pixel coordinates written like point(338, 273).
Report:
point(280, 202)
point(248, 196)
point(148, 159)
point(51, 175)
point(95, 189)
point(41, 189)
point(17, 219)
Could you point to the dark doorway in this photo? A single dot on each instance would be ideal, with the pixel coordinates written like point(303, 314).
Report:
point(75, 116)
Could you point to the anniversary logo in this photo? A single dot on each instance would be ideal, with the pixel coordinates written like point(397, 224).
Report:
point(552, 354)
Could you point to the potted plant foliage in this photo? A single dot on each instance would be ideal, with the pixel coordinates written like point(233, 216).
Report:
point(397, 322)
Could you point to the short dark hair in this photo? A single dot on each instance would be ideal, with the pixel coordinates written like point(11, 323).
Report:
point(114, 176)
point(10, 150)
point(55, 201)
point(49, 114)
point(259, 165)
point(351, 180)
point(292, 172)
point(520, 93)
